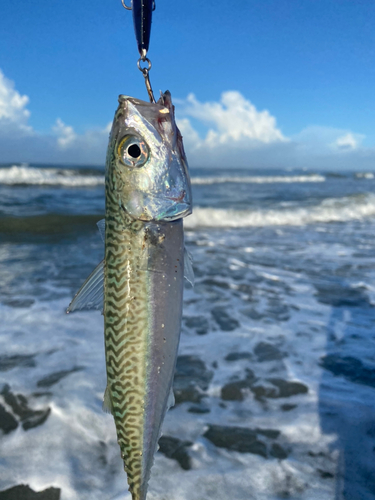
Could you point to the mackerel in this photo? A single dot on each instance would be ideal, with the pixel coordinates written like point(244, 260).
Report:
point(147, 190)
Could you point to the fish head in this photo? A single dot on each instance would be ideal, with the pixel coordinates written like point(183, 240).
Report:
point(146, 164)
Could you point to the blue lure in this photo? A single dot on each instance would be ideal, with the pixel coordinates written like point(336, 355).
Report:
point(142, 18)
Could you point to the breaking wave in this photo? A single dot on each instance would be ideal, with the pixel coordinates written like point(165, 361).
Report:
point(24, 175)
point(364, 175)
point(356, 207)
point(259, 179)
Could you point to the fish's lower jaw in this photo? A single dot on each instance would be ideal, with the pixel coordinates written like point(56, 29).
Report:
point(175, 212)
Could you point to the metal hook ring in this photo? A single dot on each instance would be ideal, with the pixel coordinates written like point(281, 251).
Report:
point(147, 69)
point(125, 6)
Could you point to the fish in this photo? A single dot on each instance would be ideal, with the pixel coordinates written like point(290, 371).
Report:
point(140, 280)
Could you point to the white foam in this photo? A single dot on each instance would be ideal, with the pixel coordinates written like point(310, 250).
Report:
point(21, 175)
point(364, 175)
point(25, 175)
point(258, 179)
point(81, 438)
point(330, 210)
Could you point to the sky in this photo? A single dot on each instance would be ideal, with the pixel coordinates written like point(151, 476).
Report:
point(256, 83)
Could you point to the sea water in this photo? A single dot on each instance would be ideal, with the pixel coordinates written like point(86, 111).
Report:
point(275, 383)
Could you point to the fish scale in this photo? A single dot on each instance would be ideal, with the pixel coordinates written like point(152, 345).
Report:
point(126, 329)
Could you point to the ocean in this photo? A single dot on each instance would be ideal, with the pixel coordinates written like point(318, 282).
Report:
point(275, 380)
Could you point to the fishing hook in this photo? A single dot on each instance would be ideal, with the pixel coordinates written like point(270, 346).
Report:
point(145, 71)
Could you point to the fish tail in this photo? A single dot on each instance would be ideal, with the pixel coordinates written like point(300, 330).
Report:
point(133, 483)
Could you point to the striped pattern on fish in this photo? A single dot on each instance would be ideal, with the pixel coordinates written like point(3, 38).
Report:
point(126, 328)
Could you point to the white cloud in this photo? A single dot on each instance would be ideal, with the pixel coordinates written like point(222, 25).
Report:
point(65, 133)
point(13, 112)
point(189, 134)
point(234, 119)
point(238, 133)
point(20, 142)
point(348, 141)
point(320, 138)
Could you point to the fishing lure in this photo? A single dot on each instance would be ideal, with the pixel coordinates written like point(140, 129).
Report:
point(142, 18)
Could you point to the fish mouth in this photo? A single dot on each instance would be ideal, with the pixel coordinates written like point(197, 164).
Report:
point(174, 207)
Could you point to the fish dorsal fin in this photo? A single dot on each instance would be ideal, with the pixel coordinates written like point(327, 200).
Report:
point(91, 293)
point(101, 227)
point(107, 403)
point(188, 267)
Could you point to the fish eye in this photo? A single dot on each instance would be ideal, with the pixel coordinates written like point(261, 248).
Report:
point(133, 151)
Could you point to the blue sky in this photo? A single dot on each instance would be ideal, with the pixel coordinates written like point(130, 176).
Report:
point(256, 83)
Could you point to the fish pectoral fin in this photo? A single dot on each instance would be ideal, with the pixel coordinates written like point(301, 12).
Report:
point(188, 267)
point(107, 403)
point(101, 227)
point(91, 293)
point(171, 400)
